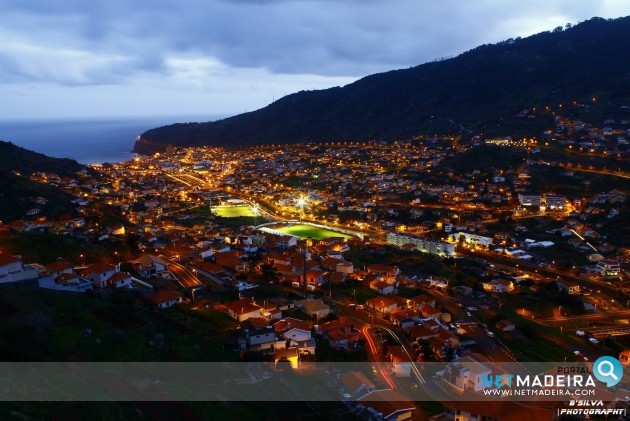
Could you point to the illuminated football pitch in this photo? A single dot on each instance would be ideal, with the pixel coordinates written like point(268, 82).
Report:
point(234, 211)
point(306, 231)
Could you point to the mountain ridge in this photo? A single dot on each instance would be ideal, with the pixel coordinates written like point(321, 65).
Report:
point(459, 95)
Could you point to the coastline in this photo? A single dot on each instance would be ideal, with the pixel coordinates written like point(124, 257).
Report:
point(88, 141)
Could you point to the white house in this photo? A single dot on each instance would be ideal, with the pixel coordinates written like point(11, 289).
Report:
point(382, 287)
point(241, 310)
point(99, 273)
point(149, 265)
point(165, 298)
point(261, 339)
point(382, 305)
point(498, 285)
point(119, 280)
point(12, 269)
point(467, 373)
point(9, 264)
point(400, 361)
point(314, 308)
point(68, 282)
point(297, 335)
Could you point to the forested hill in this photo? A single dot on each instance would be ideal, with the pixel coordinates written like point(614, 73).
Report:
point(482, 89)
point(16, 158)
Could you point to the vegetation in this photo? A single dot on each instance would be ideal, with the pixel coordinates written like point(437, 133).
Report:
point(479, 91)
point(485, 158)
point(17, 192)
point(15, 158)
point(45, 248)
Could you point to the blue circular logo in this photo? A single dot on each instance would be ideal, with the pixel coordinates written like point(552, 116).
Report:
point(608, 370)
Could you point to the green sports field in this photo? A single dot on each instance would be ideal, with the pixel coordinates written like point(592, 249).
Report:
point(233, 211)
point(306, 231)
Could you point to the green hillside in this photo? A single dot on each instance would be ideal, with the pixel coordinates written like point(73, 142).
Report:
point(479, 91)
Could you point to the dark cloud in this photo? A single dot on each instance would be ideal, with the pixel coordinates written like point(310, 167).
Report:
point(331, 38)
point(253, 47)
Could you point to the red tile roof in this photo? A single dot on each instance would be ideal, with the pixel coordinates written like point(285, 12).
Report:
point(58, 266)
point(164, 296)
point(6, 259)
point(387, 402)
point(101, 268)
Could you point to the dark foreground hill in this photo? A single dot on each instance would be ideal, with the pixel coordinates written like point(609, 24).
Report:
point(15, 158)
point(18, 192)
point(481, 89)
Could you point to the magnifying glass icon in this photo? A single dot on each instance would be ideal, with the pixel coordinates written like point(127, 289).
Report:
point(609, 372)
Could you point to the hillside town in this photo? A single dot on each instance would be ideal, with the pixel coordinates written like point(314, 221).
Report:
point(387, 254)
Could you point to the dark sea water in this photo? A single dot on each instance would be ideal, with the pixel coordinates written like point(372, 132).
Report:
point(87, 141)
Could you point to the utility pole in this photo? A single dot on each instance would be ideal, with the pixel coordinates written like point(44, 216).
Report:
point(304, 249)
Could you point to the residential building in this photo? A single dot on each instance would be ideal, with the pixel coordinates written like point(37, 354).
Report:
point(383, 305)
point(314, 308)
point(100, 273)
point(400, 361)
point(12, 269)
point(609, 267)
point(472, 239)
point(165, 298)
point(423, 244)
point(243, 309)
point(388, 405)
point(553, 201)
point(69, 282)
point(149, 265)
point(356, 383)
point(382, 287)
point(466, 373)
point(57, 268)
point(529, 199)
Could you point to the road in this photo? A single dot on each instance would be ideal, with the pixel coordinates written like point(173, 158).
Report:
point(616, 315)
point(532, 269)
point(379, 367)
point(619, 174)
point(186, 279)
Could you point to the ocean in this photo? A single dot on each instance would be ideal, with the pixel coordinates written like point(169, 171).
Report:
point(87, 141)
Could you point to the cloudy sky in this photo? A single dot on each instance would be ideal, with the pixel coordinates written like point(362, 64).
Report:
point(106, 58)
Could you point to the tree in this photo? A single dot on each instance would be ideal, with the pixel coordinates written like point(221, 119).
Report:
point(426, 351)
point(269, 273)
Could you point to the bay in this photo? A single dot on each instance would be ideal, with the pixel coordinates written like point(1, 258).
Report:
point(87, 141)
